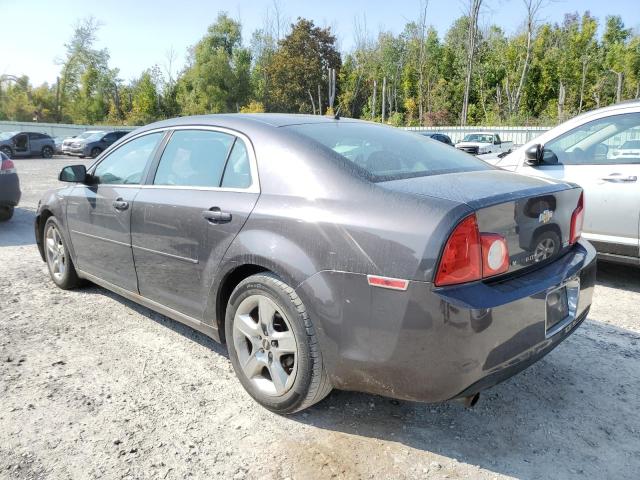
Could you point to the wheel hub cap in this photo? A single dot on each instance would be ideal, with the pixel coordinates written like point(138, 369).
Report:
point(265, 344)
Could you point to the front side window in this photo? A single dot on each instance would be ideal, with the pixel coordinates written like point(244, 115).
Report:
point(383, 153)
point(605, 141)
point(126, 165)
point(194, 158)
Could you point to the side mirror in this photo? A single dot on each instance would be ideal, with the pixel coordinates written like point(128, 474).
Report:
point(533, 155)
point(73, 173)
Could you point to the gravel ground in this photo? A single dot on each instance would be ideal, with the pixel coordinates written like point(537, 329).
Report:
point(94, 386)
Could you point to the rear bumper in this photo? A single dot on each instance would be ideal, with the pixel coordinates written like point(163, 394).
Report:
point(434, 344)
point(9, 190)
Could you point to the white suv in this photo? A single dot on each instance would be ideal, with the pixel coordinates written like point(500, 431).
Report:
point(590, 150)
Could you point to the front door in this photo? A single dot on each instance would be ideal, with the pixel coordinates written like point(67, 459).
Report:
point(99, 214)
point(595, 156)
point(21, 145)
point(184, 221)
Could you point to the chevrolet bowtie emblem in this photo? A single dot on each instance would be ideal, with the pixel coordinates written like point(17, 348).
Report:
point(545, 216)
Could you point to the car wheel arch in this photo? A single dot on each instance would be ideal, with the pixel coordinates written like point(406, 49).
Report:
point(41, 221)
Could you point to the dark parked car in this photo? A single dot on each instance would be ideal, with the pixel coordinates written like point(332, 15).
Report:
point(94, 144)
point(441, 137)
point(397, 270)
point(26, 144)
point(9, 188)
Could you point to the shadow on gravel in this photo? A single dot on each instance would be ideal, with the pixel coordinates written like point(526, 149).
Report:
point(576, 409)
point(167, 322)
point(19, 230)
point(619, 276)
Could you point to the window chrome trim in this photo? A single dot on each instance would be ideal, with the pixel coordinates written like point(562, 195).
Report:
point(253, 164)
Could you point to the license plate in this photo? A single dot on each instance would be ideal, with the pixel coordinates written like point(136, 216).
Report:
point(561, 306)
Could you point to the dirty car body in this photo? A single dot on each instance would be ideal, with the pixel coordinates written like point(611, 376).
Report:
point(416, 262)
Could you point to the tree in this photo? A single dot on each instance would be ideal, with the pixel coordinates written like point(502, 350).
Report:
point(218, 76)
point(300, 68)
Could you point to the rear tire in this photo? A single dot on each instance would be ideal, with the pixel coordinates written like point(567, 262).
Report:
point(47, 152)
point(286, 376)
point(61, 268)
point(6, 213)
point(95, 152)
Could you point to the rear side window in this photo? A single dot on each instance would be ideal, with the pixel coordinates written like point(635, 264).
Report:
point(194, 158)
point(237, 173)
point(382, 153)
point(127, 164)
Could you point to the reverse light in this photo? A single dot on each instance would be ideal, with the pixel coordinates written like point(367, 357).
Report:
point(577, 220)
point(7, 167)
point(495, 254)
point(386, 282)
point(470, 255)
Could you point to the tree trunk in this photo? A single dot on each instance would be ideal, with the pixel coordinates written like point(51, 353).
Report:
point(474, 10)
point(313, 105)
point(319, 101)
point(373, 100)
point(384, 93)
point(584, 74)
point(619, 86)
point(561, 97)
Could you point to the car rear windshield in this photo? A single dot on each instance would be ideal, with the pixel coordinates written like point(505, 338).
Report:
point(382, 153)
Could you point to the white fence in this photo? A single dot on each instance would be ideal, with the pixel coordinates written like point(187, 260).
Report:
point(55, 129)
point(517, 135)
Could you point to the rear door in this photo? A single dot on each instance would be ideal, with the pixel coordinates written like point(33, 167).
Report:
point(588, 155)
point(194, 204)
point(36, 142)
point(99, 215)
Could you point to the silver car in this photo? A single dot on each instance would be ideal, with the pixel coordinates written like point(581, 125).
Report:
point(593, 150)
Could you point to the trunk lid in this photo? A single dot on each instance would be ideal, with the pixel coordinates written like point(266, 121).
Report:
point(532, 214)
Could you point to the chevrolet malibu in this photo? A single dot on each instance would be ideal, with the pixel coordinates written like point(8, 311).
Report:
point(405, 268)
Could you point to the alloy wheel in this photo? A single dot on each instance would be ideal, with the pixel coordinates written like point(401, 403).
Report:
point(56, 255)
point(265, 345)
point(544, 249)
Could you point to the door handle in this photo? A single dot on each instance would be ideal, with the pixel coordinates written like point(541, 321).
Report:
point(618, 178)
point(120, 204)
point(214, 215)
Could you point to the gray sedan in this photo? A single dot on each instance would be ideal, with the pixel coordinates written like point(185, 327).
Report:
point(328, 253)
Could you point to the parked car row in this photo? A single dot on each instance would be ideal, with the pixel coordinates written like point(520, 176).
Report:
point(91, 143)
point(34, 144)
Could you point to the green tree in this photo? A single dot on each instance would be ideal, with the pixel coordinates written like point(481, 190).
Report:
point(299, 69)
point(217, 78)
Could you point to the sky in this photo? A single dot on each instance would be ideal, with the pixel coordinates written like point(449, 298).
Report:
point(139, 33)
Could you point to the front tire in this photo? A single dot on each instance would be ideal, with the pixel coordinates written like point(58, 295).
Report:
point(273, 346)
point(61, 268)
point(6, 213)
point(47, 152)
point(95, 152)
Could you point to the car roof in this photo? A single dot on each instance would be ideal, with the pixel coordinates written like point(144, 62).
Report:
point(239, 120)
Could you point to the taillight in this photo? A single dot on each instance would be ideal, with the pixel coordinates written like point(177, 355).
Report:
point(461, 259)
point(495, 254)
point(577, 220)
point(470, 255)
point(7, 167)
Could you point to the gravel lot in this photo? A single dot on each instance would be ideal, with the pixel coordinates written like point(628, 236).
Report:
point(94, 386)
